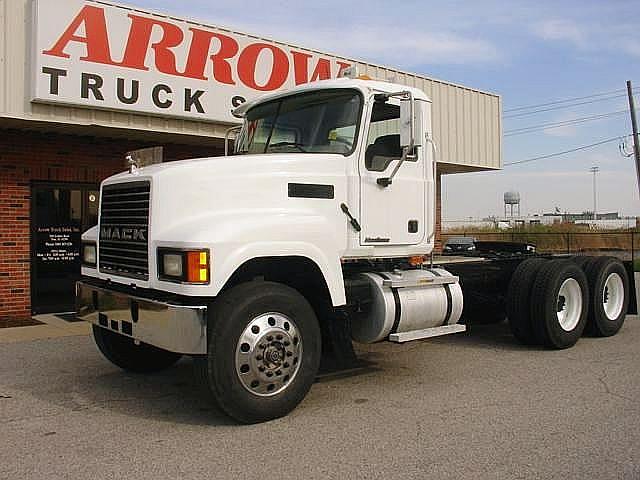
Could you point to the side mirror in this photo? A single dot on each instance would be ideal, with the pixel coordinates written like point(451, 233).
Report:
point(411, 134)
point(237, 129)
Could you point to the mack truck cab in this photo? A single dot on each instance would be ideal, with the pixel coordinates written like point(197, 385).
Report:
point(312, 233)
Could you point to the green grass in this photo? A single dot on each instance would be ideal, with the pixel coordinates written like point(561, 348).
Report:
point(636, 265)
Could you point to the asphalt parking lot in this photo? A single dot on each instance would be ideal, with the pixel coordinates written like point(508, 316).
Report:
point(475, 405)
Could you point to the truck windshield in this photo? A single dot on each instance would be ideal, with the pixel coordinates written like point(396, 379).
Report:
point(324, 121)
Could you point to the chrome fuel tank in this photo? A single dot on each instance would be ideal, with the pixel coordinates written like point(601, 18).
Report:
point(408, 300)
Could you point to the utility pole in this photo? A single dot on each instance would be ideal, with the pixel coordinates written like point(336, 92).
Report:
point(634, 124)
point(594, 170)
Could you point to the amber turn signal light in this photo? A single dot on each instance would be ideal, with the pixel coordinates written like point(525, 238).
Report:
point(198, 267)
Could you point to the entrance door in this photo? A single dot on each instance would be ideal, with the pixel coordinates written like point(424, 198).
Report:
point(393, 215)
point(59, 215)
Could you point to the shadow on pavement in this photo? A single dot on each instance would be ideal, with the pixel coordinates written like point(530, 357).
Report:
point(172, 395)
point(493, 336)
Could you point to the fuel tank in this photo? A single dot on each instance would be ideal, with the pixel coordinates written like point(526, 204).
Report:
point(407, 300)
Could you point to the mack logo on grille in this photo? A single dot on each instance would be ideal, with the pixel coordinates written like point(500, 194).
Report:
point(123, 233)
point(124, 229)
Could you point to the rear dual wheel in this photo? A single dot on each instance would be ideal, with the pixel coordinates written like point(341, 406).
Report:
point(547, 303)
point(519, 300)
point(609, 285)
point(559, 304)
point(552, 302)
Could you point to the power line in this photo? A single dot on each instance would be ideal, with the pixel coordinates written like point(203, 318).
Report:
point(559, 107)
point(565, 123)
point(557, 154)
point(575, 121)
point(566, 100)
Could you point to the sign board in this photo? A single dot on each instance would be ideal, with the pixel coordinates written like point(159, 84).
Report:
point(101, 55)
point(57, 244)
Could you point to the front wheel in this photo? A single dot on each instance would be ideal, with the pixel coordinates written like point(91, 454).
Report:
point(263, 353)
point(125, 353)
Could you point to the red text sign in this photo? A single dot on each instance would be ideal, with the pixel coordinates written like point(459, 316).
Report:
point(106, 56)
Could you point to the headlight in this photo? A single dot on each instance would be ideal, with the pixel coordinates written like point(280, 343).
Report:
point(172, 265)
point(89, 256)
point(183, 266)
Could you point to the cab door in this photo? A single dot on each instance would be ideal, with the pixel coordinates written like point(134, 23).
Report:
point(392, 215)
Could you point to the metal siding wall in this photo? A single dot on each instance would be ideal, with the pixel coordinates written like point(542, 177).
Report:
point(3, 55)
point(466, 122)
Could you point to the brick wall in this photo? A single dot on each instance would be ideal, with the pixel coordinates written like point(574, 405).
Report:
point(26, 157)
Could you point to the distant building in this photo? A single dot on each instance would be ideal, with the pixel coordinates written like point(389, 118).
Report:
point(605, 221)
point(574, 217)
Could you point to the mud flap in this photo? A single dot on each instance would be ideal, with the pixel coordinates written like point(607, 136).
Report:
point(337, 346)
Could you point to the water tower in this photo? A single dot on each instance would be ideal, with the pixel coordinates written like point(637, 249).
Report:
point(512, 204)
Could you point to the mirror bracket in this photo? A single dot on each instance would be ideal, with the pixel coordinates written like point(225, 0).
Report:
point(386, 181)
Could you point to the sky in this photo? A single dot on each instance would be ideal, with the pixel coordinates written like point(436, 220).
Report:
point(528, 52)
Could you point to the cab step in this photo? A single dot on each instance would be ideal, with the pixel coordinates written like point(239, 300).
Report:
point(426, 333)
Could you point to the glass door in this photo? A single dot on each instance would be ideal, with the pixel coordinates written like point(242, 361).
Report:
point(59, 215)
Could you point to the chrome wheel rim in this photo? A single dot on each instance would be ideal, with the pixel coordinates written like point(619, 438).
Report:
point(569, 304)
point(613, 296)
point(268, 354)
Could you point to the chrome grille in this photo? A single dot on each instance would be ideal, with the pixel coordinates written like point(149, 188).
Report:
point(124, 229)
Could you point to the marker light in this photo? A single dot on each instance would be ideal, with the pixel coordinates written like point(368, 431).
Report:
point(89, 256)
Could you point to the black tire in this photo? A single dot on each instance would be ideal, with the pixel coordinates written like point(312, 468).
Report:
point(230, 316)
point(598, 272)
point(582, 261)
point(519, 300)
point(546, 301)
point(124, 353)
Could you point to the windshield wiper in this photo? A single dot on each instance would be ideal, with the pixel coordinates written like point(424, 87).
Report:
point(289, 144)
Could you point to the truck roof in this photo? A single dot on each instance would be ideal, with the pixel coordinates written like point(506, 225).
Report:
point(364, 85)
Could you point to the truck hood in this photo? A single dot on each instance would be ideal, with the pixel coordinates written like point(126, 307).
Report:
point(216, 188)
point(239, 165)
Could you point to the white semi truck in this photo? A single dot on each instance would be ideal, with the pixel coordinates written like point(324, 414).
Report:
point(317, 230)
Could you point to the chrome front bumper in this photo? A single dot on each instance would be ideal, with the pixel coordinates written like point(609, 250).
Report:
point(167, 325)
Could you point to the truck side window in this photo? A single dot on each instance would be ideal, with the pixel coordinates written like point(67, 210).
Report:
point(383, 142)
